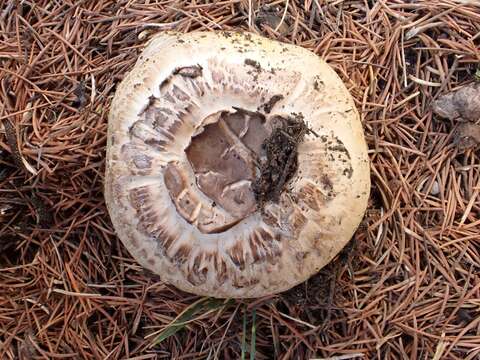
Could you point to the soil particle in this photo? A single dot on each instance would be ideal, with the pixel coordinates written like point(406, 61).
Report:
point(339, 147)
point(348, 172)
point(80, 97)
point(267, 107)
point(281, 159)
point(254, 64)
point(318, 84)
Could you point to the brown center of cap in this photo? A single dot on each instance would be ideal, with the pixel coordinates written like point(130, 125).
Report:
point(225, 159)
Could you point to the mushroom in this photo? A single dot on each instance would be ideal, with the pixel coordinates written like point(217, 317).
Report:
point(236, 165)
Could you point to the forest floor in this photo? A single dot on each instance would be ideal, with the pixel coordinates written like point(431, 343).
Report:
point(408, 284)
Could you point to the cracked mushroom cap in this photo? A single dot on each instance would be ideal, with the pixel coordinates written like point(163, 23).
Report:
point(205, 183)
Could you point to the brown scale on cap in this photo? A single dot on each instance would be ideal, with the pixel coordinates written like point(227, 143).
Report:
point(234, 174)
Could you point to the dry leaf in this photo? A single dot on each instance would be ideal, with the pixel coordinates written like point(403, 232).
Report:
point(462, 104)
point(467, 135)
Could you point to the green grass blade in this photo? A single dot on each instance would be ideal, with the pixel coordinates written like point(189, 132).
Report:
point(199, 307)
point(254, 335)
point(244, 333)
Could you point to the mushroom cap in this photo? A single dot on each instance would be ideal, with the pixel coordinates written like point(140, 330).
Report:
point(187, 127)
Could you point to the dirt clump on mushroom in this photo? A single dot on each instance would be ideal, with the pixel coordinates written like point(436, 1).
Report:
point(280, 163)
